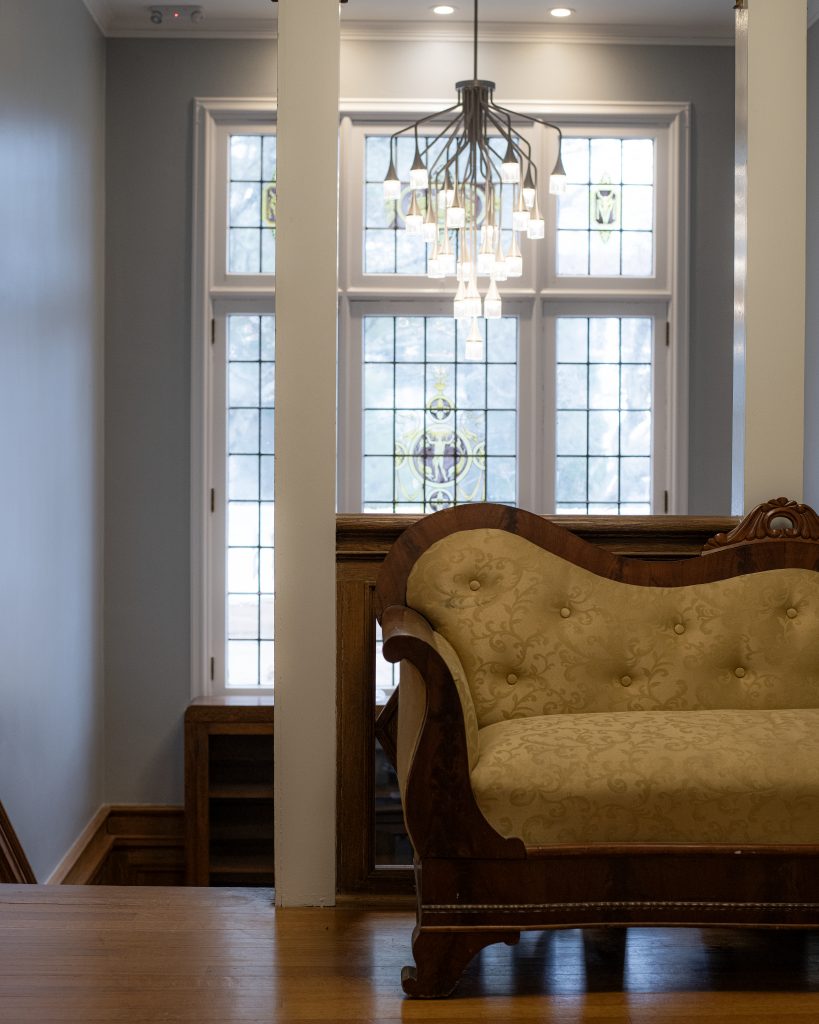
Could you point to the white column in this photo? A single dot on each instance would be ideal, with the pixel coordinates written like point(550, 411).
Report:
point(769, 334)
point(306, 324)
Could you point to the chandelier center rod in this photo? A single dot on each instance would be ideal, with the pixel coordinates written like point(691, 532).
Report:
point(475, 43)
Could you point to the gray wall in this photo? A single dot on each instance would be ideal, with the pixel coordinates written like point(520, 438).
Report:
point(51, 410)
point(149, 88)
point(812, 275)
point(147, 386)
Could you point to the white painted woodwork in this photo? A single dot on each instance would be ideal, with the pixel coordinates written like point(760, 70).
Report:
point(769, 335)
point(306, 325)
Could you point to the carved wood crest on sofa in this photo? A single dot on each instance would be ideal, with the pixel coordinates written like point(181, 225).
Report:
point(588, 740)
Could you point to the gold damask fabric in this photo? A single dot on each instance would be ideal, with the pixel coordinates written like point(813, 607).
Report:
point(537, 635)
point(739, 777)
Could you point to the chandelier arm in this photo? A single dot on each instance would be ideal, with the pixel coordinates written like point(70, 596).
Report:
point(486, 149)
point(452, 161)
point(444, 131)
point(526, 117)
point(414, 126)
point(487, 167)
point(511, 136)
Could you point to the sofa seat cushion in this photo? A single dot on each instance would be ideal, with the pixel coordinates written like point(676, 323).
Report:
point(738, 777)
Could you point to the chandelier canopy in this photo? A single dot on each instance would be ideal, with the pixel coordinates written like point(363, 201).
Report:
point(457, 200)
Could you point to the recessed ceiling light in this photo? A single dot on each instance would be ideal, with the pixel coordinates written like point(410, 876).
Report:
point(561, 12)
point(443, 9)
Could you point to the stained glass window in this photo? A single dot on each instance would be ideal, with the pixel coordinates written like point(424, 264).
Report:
point(438, 430)
point(605, 219)
point(251, 344)
point(388, 249)
point(604, 410)
point(252, 205)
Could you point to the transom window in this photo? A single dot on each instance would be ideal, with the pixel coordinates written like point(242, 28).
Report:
point(605, 219)
point(251, 235)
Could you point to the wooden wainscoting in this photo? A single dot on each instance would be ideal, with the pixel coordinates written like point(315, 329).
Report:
point(362, 542)
point(128, 845)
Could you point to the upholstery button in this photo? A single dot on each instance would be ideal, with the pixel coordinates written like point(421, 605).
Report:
point(625, 680)
point(474, 584)
point(511, 679)
point(565, 613)
point(791, 613)
point(679, 629)
point(739, 672)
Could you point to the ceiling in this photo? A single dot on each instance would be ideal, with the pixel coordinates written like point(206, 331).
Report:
point(656, 20)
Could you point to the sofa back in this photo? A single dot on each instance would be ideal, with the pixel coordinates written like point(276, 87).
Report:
point(538, 634)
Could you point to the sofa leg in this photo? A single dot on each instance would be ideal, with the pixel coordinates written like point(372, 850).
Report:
point(441, 957)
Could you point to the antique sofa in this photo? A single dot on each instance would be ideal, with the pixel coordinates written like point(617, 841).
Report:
point(588, 740)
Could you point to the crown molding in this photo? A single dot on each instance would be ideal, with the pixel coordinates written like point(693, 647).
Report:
point(399, 31)
point(532, 32)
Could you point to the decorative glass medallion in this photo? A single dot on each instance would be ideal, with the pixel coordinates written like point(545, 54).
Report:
point(438, 430)
point(605, 218)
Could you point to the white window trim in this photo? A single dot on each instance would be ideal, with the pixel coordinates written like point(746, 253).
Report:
point(211, 298)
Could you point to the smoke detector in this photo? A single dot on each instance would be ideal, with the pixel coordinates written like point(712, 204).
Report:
point(176, 14)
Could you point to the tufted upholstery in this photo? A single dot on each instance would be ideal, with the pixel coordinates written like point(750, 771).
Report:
point(538, 635)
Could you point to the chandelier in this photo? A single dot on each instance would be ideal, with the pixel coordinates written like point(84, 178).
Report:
point(457, 200)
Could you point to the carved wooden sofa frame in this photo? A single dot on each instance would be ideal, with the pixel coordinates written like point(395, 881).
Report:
point(475, 887)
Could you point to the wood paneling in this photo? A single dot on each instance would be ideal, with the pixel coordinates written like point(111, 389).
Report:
point(101, 955)
point(229, 791)
point(132, 845)
point(362, 543)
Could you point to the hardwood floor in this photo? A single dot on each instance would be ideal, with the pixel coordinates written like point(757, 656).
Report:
point(102, 955)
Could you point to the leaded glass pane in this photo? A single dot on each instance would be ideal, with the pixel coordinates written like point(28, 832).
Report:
point(572, 431)
point(243, 431)
point(243, 615)
point(251, 231)
point(243, 663)
point(250, 415)
point(243, 524)
point(605, 219)
point(603, 415)
point(379, 339)
point(439, 430)
point(243, 338)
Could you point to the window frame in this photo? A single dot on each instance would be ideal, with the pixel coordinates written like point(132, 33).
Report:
point(660, 379)
point(215, 295)
point(536, 298)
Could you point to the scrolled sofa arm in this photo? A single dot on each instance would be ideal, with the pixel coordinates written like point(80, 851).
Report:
point(437, 743)
point(407, 624)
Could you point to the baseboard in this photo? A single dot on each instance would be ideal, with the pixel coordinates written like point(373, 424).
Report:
point(131, 844)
